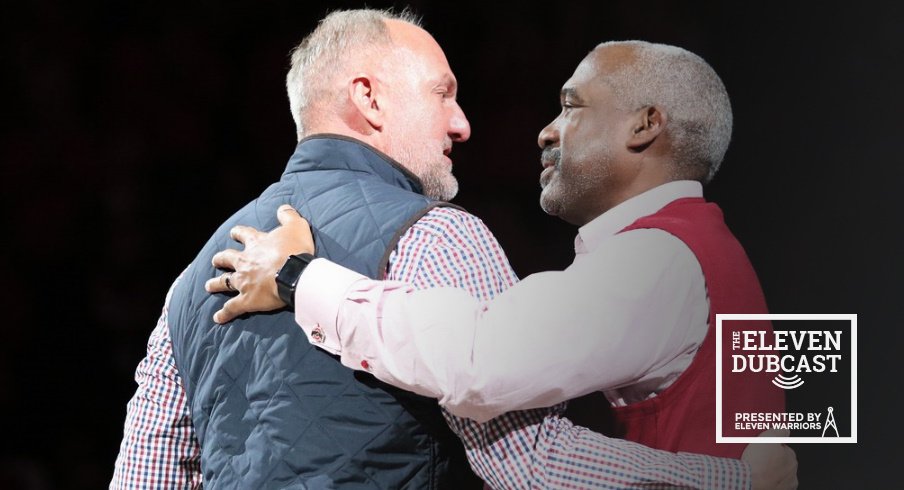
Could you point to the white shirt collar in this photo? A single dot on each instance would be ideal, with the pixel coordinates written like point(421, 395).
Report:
point(644, 204)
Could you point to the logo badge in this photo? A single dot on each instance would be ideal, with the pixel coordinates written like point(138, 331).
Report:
point(811, 359)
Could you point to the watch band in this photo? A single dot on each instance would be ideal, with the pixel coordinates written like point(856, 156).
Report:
point(288, 275)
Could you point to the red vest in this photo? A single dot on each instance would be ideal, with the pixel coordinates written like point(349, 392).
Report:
point(682, 417)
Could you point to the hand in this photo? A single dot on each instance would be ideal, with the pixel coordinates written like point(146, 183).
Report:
point(773, 466)
point(256, 266)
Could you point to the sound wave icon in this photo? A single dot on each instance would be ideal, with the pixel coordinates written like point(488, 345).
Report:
point(787, 383)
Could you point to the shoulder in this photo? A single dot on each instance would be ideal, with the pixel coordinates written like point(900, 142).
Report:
point(451, 247)
point(646, 241)
point(455, 230)
point(449, 223)
point(650, 251)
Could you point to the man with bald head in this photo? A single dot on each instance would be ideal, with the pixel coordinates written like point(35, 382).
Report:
point(642, 127)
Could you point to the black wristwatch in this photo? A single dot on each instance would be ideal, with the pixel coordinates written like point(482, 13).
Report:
point(287, 277)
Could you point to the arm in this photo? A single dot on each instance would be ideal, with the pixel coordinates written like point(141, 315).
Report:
point(605, 322)
point(542, 449)
point(539, 448)
point(159, 447)
point(610, 320)
point(534, 448)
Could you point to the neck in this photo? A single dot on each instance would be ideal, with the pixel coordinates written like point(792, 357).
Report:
point(364, 135)
point(650, 174)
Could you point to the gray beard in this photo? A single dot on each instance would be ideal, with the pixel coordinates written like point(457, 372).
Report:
point(439, 184)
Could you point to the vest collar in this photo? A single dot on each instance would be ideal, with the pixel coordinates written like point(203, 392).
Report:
point(612, 221)
point(336, 152)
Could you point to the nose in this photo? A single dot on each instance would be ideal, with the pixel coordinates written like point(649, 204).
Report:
point(459, 127)
point(548, 136)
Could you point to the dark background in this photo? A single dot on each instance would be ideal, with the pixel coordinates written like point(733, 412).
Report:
point(130, 130)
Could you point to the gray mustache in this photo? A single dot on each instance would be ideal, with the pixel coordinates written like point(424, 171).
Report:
point(551, 155)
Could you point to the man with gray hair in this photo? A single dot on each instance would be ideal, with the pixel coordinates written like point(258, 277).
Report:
point(254, 405)
point(642, 127)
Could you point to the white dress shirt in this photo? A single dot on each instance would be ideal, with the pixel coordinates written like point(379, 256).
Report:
point(626, 317)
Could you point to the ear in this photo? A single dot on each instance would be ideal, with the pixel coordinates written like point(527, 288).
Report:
point(362, 94)
point(648, 125)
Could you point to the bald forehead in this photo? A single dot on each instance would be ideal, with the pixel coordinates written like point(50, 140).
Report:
point(418, 50)
point(409, 35)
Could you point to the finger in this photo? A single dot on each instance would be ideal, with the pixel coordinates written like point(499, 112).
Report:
point(244, 234)
point(230, 310)
point(289, 217)
point(226, 259)
point(224, 314)
point(286, 214)
point(216, 285)
point(220, 284)
point(304, 224)
point(221, 316)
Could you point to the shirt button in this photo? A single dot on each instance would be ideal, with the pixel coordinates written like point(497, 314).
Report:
point(317, 335)
point(365, 365)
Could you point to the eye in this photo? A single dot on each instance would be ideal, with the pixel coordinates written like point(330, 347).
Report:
point(447, 98)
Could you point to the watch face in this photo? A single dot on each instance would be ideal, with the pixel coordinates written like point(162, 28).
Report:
point(287, 277)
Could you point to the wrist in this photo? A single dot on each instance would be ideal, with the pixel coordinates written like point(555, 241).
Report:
point(288, 275)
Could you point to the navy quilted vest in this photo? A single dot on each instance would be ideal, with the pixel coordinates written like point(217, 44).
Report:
point(270, 410)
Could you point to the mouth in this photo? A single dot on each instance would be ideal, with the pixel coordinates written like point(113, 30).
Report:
point(546, 175)
point(550, 157)
point(550, 160)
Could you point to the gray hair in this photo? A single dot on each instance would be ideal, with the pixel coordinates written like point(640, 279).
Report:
point(691, 94)
point(340, 37)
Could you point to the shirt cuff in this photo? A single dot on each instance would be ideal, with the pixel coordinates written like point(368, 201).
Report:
point(724, 474)
point(319, 294)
